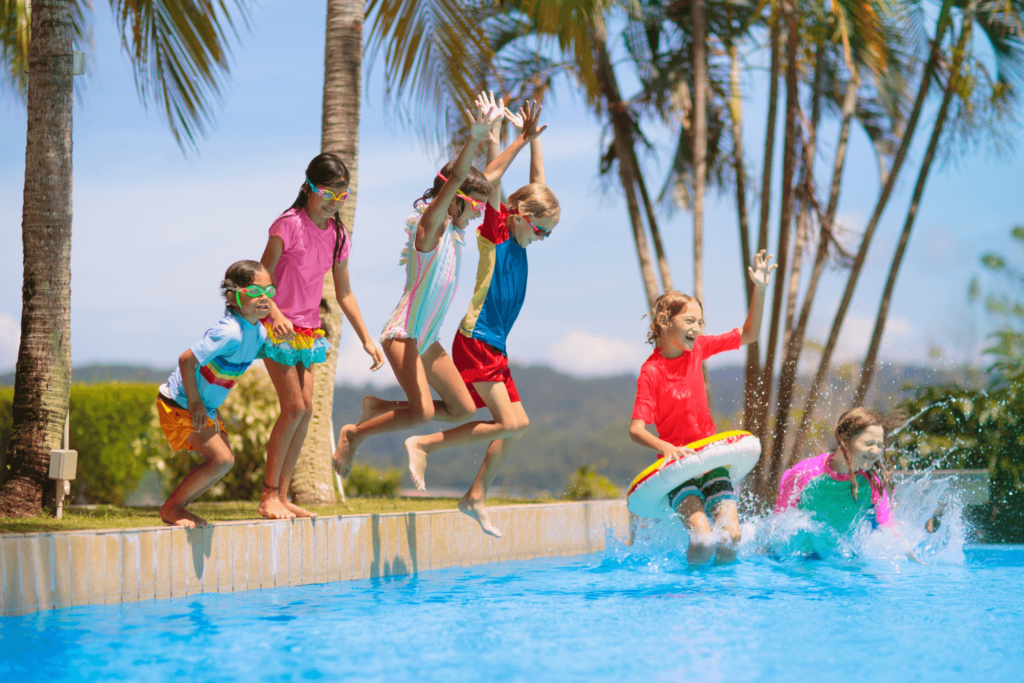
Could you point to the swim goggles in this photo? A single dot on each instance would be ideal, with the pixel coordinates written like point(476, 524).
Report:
point(328, 195)
point(253, 291)
point(540, 232)
point(477, 204)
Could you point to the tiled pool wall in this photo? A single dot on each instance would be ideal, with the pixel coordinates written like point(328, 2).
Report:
point(62, 569)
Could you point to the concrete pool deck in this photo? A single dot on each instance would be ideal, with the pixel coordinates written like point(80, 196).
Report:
point(41, 571)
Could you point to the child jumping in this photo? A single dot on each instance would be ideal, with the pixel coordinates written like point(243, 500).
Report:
point(187, 404)
point(479, 350)
point(672, 396)
point(432, 259)
point(306, 242)
point(824, 486)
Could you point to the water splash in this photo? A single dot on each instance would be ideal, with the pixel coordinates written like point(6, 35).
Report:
point(794, 535)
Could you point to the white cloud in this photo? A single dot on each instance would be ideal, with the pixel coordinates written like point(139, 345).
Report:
point(899, 341)
point(594, 355)
point(10, 339)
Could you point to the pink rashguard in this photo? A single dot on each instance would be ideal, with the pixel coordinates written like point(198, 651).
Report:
point(799, 477)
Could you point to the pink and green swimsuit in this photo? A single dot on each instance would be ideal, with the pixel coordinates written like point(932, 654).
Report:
point(813, 485)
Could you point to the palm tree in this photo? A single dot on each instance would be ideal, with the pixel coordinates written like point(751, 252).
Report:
point(998, 23)
point(178, 53)
point(312, 482)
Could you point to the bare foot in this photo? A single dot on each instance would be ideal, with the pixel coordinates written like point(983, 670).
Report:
point(345, 452)
point(478, 511)
point(417, 463)
point(177, 515)
point(296, 510)
point(271, 507)
point(372, 407)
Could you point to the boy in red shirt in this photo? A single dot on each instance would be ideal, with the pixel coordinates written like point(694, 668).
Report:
point(671, 396)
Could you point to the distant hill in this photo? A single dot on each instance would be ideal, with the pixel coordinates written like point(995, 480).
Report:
point(573, 421)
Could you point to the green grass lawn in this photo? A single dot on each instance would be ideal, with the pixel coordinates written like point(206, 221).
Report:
point(115, 517)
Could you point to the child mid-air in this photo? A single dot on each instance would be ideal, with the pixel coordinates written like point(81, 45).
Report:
point(306, 242)
point(671, 395)
point(479, 350)
point(187, 404)
point(432, 259)
point(824, 487)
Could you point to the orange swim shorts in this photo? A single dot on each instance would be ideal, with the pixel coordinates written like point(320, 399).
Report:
point(176, 423)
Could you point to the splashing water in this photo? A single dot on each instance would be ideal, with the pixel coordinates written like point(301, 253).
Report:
point(794, 535)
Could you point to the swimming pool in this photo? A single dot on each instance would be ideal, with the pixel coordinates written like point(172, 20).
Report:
point(628, 614)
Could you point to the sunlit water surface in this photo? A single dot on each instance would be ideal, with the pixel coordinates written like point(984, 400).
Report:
point(634, 613)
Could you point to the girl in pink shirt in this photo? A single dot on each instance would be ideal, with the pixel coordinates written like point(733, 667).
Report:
point(824, 487)
point(306, 242)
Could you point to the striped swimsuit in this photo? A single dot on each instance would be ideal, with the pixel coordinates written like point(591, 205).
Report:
point(430, 284)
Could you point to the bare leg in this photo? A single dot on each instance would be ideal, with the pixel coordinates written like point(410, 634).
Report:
point(456, 404)
point(405, 361)
point(727, 529)
point(474, 502)
point(504, 425)
point(305, 377)
point(702, 544)
point(218, 462)
point(289, 395)
point(373, 406)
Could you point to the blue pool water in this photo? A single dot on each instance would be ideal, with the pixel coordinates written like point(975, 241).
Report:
point(629, 614)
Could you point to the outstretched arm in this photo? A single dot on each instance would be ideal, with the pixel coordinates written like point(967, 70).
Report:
point(536, 162)
point(529, 116)
point(282, 327)
point(760, 274)
point(639, 435)
point(431, 225)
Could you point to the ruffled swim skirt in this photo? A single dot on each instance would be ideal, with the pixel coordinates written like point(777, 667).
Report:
point(309, 346)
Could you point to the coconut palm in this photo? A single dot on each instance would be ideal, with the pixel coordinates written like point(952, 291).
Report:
point(1002, 25)
point(178, 53)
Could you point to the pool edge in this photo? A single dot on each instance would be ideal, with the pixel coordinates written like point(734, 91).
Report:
point(41, 571)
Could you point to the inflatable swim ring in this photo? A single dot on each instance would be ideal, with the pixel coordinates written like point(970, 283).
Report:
point(648, 494)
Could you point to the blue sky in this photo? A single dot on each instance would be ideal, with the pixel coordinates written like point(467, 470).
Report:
point(154, 228)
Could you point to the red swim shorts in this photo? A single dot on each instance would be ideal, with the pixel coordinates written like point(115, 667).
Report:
point(478, 361)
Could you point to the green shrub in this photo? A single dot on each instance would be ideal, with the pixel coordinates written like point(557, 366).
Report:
point(586, 484)
point(369, 481)
point(106, 422)
point(249, 414)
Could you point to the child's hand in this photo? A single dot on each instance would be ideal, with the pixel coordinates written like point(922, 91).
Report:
point(375, 354)
point(480, 125)
point(761, 273)
point(283, 329)
point(485, 101)
point(197, 411)
point(531, 115)
point(678, 454)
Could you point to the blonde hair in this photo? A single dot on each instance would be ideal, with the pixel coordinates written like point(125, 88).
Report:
point(535, 200)
point(665, 308)
point(851, 424)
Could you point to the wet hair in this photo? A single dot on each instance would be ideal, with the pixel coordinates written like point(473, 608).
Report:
point(535, 200)
point(666, 307)
point(475, 182)
point(851, 424)
point(238, 276)
point(325, 169)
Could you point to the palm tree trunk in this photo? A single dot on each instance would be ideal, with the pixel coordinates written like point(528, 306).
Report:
point(753, 362)
point(788, 372)
point(818, 382)
point(652, 221)
point(700, 142)
point(624, 152)
point(753, 387)
point(952, 83)
point(343, 57)
point(43, 376)
point(785, 225)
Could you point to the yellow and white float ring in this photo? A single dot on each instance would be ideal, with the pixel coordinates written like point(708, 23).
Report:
point(736, 451)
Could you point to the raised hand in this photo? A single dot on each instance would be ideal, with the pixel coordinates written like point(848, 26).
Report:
point(486, 115)
point(761, 273)
point(531, 115)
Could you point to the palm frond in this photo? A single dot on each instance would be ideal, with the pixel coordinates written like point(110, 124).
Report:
point(179, 51)
point(15, 32)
